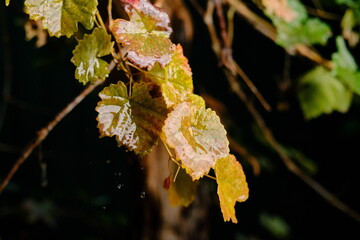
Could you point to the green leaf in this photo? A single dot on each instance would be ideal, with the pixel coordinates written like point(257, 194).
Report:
point(293, 24)
point(343, 58)
point(197, 136)
point(320, 92)
point(345, 67)
point(311, 31)
point(181, 192)
point(61, 17)
point(136, 121)
point(175, 79)
point(89, 66)
point(232, 185)
point(146, 35)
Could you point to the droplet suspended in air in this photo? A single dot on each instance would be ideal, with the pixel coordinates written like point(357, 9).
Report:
point(142, 194)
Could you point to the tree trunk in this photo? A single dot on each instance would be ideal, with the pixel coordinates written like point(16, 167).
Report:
point(163, 221)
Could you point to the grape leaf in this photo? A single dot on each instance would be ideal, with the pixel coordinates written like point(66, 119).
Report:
point(293, 24)
point(197, 136)
point(232, 185)
point(343, 58)
point(61, 17)
point(89, 66)
point(175, 79)
point(345, 68)
point(181, 192)
point(146, 35)
point(320, 92)
point(136, 121)
point(196, 100)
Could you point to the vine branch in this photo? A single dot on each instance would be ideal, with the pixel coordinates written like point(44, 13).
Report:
point(44, 132)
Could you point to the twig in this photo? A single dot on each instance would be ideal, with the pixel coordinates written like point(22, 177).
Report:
point(246, 155)
point(267, 132)
point(226, 51)
point(44, 132)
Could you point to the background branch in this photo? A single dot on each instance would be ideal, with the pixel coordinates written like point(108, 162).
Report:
point(44, 132)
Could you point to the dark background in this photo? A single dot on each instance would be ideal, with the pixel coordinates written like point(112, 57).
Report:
point(95, 190)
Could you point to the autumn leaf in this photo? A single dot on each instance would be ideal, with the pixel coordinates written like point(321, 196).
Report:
point(7, 2)
point(135, 120)
point(89, 66)
point(232, 185)
point(175, 79)
point(61, 17)
point(182, 191)
point(197, 136)
point(146, 35)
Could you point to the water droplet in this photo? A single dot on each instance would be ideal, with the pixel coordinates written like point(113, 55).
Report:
point(104, 207)
point(142, 194)
point(120, 186)
point(108, 161)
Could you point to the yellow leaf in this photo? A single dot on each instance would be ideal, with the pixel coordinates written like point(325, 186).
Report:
point(232, 185)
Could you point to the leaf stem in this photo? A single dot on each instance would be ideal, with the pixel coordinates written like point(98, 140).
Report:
point(209, 176)
point(100, 19)
point(109, 9)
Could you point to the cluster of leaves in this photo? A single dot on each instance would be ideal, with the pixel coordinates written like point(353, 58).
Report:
point(155, 101)
point(321, 90)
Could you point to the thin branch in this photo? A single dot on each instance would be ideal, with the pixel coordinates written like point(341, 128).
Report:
point(44, 132)
point(246, 155)
point(267, 132)
point(226, 52)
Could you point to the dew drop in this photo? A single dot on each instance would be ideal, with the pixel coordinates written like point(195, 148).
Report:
point(119, 186)
point(108, 161)
point(142, 194)
point(104, 207)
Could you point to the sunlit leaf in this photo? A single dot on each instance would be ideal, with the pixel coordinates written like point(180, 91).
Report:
point(61, 17)
point(293, 24)
point(196, 100)
point(320, 92)
point(181, 192)
point(7, 2)
point(197, 136)
point(232, 185)
point(136, 121)
point(175, 79)
point(89, 66)
point(146, 35)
